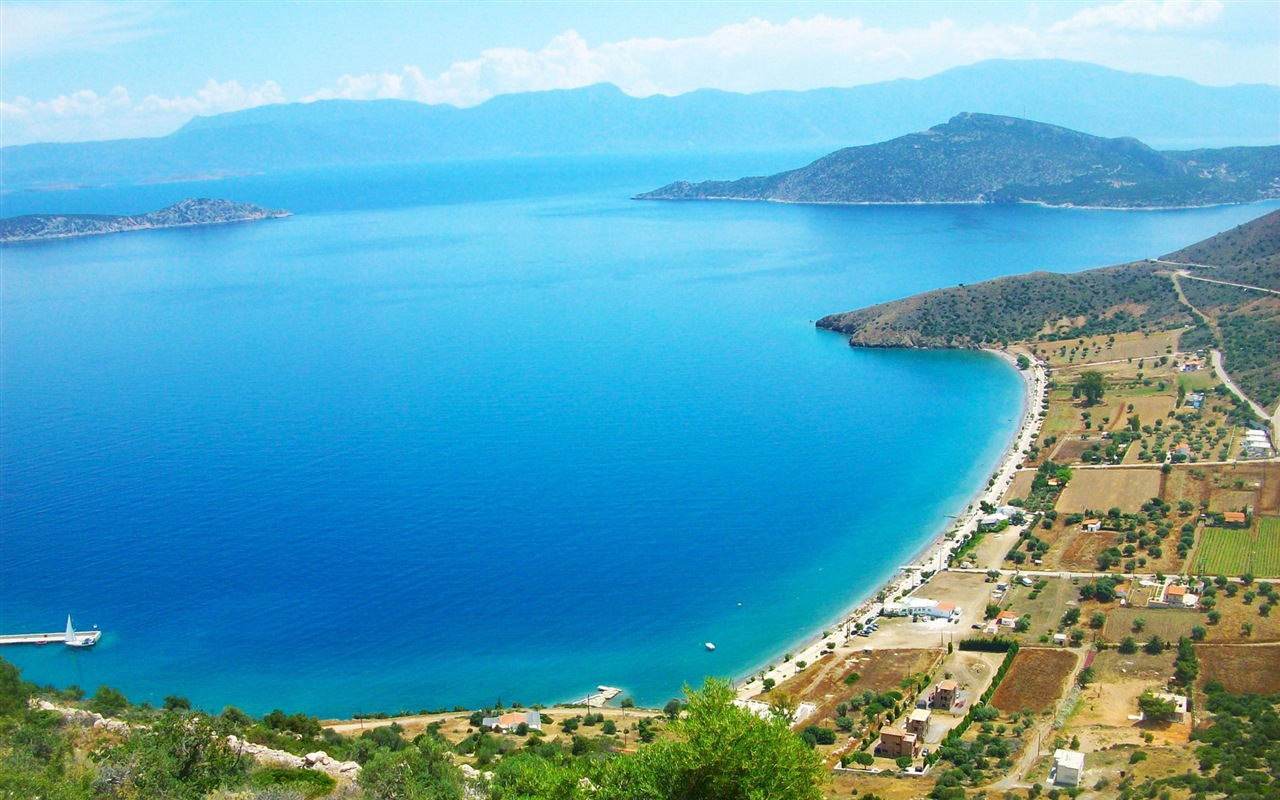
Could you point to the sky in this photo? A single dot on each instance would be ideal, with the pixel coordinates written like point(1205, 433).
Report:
point(74, 71)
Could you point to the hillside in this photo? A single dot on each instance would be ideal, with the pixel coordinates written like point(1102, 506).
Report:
point(1039, 305)
point(1142, 296)
point(1248, 253)
point(183, 214)
point(1244, 323)
point(983, 158)
point(601, 119)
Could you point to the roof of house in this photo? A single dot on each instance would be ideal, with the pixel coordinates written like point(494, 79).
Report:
point(948, 685)
point(920, 714)
point(1006, 614)
point(1069, 758)
point(1176, 591)
point(1233, 516)
point(947, 607)
point(889, 730)
point(1092, 521)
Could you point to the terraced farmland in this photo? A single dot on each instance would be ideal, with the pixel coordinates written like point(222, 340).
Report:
point(1230, 551)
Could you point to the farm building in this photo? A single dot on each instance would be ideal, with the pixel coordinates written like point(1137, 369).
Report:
point(991, 521)
point(1068, 767)
point(918, 723)
point(1173, 595)
point(1005, 619)
point(920, 607)
point(944, 694)
point(1235, 519)
point(943, 611)
point(1257, 444)
point(895, 742)
point(1091, 525)
point(511, 721)
point(1179, 705)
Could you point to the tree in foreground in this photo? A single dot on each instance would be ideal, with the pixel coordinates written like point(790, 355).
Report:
point(718, 752)
point(422, 771)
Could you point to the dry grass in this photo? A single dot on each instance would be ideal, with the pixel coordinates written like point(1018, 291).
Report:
point(1235, 612)
point(1102, 489)
point(1241, 668)
point(1021, 486)
point(1269, 496)
point(1148, 407)
point(1167, 623)
point(824, 684)
point(1035, 680)
point(1080, 552)
point(1124, 346)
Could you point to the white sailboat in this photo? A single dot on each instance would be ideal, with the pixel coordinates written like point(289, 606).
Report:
point(73, 639)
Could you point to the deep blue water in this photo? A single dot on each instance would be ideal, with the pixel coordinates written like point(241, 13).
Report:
point(462, 432)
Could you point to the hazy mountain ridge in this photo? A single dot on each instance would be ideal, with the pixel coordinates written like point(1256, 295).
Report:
point(984, 158)
point(196, 211)
point(601, 119)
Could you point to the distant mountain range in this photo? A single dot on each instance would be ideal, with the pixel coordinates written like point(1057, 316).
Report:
point(983, 158)
point(1170, 112)
point(184, 214)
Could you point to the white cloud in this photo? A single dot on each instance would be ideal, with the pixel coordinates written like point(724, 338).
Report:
point(87, 115)
point(750, 56)
point(40, 29)
point(1147, 16)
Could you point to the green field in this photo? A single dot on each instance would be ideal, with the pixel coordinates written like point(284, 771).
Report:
point(1267, 558)
point(1230, 551)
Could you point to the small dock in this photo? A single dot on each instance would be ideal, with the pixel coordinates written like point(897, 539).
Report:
point(602, 695)
point(70, 637)
point(51, 638)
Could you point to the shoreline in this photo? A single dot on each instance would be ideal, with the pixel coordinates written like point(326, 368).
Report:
point(934, 553)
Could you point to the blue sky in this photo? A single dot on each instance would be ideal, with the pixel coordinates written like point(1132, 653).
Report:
point(100, 70)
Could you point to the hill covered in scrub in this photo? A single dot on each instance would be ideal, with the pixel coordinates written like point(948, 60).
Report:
point(1038, 305)
point(984, 158)
point(1241, 321)
point(1248, 253)
point(195, 211)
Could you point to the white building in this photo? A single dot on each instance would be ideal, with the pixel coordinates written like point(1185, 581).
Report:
point(1068, 767)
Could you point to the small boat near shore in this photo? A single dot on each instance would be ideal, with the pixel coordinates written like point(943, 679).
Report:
point(709, 646)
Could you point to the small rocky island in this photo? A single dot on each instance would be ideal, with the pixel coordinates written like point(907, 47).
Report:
point(193, 211)
point(984, 158)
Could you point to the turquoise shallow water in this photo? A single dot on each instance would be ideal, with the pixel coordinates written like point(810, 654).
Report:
point(463, 432)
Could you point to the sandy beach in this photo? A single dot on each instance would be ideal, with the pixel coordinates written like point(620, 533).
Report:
point(933, 557)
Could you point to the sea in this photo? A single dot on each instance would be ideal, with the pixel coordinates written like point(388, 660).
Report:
point(492, 431)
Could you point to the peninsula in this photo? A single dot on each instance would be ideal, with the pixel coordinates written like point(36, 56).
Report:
point(984, 158)
point(1224, 292)
point(189, 212)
